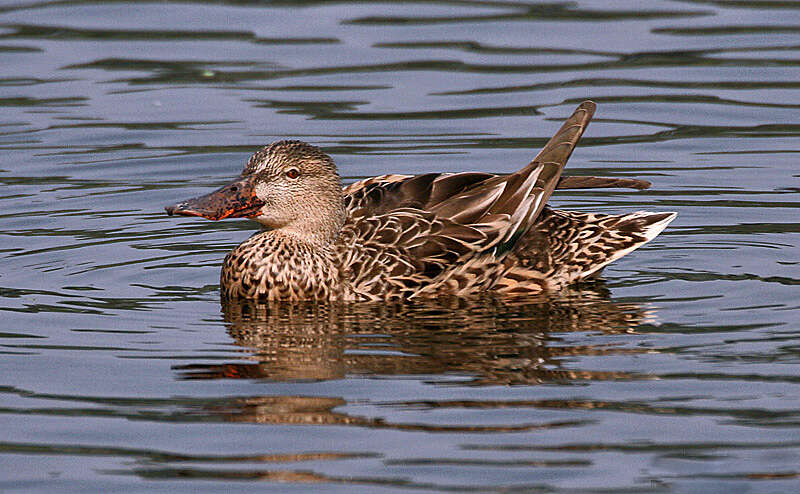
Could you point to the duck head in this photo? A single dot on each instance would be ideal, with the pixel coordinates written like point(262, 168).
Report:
point(289, 186)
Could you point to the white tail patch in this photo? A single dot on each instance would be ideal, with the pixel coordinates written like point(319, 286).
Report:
point(649, 232)
point(652, 230)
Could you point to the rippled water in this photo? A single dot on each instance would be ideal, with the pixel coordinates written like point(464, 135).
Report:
point(121, 371)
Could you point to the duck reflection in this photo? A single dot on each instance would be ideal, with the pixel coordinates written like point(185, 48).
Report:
point(486, 340)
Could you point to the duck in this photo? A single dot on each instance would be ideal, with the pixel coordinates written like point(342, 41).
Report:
point(399, 236)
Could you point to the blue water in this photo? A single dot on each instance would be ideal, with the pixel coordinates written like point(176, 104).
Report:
point(120, 370)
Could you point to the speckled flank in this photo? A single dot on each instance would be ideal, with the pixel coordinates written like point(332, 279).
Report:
point(270, 265)
point(401, 236)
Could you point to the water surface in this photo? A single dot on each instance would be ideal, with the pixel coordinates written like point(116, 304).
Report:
point(120, 370)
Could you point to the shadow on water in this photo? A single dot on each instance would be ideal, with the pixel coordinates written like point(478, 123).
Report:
point(491, 340)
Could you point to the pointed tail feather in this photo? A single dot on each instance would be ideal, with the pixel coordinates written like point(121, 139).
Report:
point(518, 197)
point(565, 247)
point(527, 191)
point(559, 148)
point(554, 155)
point(625, 235)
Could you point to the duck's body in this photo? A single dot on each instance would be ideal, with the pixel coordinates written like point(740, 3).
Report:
point(399, 236)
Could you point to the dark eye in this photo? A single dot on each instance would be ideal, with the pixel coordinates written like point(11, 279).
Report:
point(292, 173)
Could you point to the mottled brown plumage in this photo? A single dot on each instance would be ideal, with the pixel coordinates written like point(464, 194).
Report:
point(401, 236)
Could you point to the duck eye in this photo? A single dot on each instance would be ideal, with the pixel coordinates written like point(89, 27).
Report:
point(292, 173)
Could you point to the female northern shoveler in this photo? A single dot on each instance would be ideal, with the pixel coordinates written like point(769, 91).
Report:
point(401, 236)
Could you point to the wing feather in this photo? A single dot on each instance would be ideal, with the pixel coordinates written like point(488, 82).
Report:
point(437, 229)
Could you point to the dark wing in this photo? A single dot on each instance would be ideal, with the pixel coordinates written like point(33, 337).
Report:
point(578, 182)
point(449, 228)
point(478, 198)
point(564, 183)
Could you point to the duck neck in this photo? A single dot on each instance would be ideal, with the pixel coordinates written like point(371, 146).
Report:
point(318, 227)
